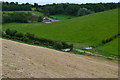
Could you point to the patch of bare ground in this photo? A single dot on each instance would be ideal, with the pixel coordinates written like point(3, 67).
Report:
point(28, 61)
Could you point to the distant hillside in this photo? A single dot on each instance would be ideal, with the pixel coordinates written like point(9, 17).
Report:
point(86, 30)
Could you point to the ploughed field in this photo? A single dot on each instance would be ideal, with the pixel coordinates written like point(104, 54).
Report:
point(27, 61)
point(87, 30)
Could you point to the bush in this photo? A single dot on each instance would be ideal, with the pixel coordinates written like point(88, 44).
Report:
point(40, 19)
point(19, 35)
point(11, 32)
point(83, 11)
point(30, 36)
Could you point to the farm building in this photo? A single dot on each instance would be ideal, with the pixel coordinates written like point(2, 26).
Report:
point(49, 20)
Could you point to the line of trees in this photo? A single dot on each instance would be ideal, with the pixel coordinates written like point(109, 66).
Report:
point(31, 38)
point(61, 8)
point(110, 39)
point(14, 6)
point(75, 9)
point(20, 17)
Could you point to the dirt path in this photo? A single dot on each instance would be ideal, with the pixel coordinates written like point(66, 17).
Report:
point(26, 61)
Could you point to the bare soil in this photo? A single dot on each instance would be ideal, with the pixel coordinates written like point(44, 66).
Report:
point(27, 61)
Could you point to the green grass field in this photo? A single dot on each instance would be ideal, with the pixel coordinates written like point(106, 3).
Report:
point(63, 17)
point(86, 30)
point(110, 48)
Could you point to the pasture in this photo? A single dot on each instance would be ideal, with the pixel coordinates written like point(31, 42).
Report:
point(87, 30)
point(63, 17)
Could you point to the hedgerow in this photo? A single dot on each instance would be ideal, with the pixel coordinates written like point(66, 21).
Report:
point(31, 38)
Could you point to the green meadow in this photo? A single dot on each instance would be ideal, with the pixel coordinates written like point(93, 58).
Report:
point(63, 17)
point(110, 48)
point(87, 30)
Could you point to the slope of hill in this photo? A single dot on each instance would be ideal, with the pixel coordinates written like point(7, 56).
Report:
point(110, 48)
point(86, 30)
point(26, 61)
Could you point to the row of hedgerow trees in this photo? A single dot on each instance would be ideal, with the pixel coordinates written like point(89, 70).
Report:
point(31, 38)
point(75, 9)
point(111, 38)
point(20, 17)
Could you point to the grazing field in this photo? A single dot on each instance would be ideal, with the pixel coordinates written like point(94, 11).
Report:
point(63, 17)
point(110, 48)
point(86, 30)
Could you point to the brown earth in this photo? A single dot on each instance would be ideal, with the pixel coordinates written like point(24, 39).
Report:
point(28, 61)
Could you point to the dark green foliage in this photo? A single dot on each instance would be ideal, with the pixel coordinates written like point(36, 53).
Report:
point(31, 38)
point(58, 45)
point(40, 19)
point(62, 8)
point(15, 17)
point(109, 58)
point(110, 39)
point(83, 11)
point(20, 17)
point(16, 7)
point(19, 35)
point(74, 9)
point(35, 5)
point(11, 32)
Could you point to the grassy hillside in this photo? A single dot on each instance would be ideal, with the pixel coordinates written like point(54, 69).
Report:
point(85, 30)
point(63, 17)
point(110, 48)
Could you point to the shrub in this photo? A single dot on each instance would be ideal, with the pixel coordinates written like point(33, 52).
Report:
point(40, 19)
point(30, 36)
point(19, 35)
point(11, 32)
point(58, 45)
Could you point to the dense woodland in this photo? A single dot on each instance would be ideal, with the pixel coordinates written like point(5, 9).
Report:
point(76, 9)
point(14, 6)
point(51, 9)
point(20, 17)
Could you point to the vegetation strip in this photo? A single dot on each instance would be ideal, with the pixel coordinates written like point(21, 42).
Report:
point(31, 38)
point(58, 45)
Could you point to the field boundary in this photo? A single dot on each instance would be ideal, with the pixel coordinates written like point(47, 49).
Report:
point(75, 51)
point(88, 53)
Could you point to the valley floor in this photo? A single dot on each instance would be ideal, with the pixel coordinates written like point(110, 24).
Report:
point(28, 61)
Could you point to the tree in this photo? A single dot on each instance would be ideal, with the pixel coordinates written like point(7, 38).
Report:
point(11, 32)
point(40, 19)
point(98, 8)
point(83, 11)
point(35, 5)
point(72, 10)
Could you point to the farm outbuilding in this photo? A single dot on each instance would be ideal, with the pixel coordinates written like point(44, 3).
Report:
point(49, 20)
